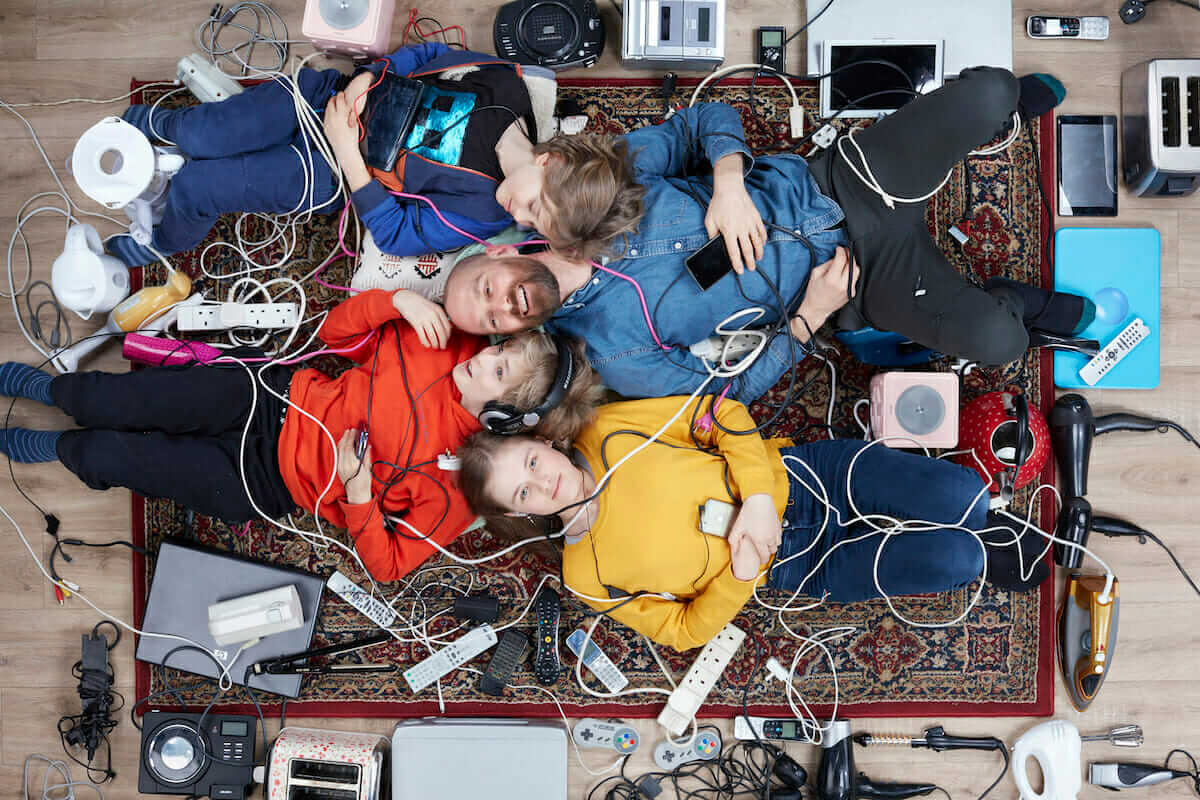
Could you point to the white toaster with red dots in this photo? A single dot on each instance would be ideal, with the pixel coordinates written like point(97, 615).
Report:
point(305, 762)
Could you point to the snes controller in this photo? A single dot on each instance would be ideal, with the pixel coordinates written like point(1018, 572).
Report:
point(705, 747)
point(590, 732)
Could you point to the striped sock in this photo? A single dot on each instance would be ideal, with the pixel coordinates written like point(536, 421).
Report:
point(22, 380)
point(30, 447)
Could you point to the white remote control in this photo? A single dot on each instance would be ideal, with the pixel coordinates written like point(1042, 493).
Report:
point(595, 660)
point(373, 608)
point(450, 658)
point(1111, 354)
point(1041, 26)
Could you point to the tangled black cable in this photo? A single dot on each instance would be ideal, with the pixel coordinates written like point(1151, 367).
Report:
point(1193, 773)
point(90, 728)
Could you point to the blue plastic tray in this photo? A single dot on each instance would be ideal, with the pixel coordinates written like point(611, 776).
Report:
point(1119, 268)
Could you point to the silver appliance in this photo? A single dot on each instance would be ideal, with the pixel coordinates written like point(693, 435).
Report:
point(1160, 127)
point(312, 764)
point(673, 34)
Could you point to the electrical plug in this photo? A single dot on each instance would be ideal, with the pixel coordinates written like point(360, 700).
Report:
point(796, 118)
point(825, 136)
point(777, 669)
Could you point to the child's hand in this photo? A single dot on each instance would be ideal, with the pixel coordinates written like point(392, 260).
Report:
point(427, 318)
point(355, 475)
point(743, 557)
point(341, 129)
point(830, 286)
point(757, 527)
point(732, 213)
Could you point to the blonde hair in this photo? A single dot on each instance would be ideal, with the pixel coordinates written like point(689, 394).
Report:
point(540, 355)
point(590, 191)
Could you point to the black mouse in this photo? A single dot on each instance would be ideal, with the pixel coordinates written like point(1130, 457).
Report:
point(1132, 11)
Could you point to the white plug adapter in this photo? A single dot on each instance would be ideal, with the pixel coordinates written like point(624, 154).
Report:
point(254, 616)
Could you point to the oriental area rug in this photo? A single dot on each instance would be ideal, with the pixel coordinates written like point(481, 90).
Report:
point(997, 661)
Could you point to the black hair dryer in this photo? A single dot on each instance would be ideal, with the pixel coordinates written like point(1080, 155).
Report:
point(1072, 428)
point(838, 780)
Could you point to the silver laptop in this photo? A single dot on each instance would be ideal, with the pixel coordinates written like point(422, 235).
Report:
point(976, 32)
point(479, 759)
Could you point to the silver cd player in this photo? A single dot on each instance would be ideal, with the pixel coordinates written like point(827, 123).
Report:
point(673, 34)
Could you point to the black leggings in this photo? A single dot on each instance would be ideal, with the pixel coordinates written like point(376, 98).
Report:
point(175, 433)
point(906, 283)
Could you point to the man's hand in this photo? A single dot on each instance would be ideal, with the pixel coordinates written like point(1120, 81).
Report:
point(341, 129)
point(733, 214)
point(355, 475)
point(830, 287)
point(754, 536)
point(426, 317)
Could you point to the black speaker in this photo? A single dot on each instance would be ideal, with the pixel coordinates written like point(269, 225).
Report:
point(181, 757)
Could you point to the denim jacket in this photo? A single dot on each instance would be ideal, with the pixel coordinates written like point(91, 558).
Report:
point(607, 312)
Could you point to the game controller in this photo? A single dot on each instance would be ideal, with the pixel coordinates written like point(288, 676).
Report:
point(705, 747)
point(590, 732)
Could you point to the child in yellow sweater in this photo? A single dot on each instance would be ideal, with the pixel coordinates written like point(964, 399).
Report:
point(639, 537)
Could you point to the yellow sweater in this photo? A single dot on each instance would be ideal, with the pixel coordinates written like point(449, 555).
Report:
point(645, 533)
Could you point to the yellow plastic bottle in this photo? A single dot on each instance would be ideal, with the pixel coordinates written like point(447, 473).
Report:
point(145, 303)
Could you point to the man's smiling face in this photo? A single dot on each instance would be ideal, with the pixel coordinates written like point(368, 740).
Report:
point(499, 294)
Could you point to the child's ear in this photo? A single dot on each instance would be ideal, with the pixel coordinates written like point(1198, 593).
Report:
point(542, 159)
point(501, 250)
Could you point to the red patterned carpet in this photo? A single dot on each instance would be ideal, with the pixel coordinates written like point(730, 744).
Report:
point(999, 661)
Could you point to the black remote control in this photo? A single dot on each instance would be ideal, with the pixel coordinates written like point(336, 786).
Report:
point(505, 658)
point(546, 664)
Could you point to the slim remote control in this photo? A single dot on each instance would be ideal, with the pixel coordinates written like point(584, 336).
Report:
point(1047, 27)
point(373, 608)
point(1112, 353)
point(450, 657)
point(599, 663)
point(505, 659)
point(546, 610)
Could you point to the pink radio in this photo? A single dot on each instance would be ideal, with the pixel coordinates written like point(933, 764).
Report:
point(357, 28)
point(918, 408)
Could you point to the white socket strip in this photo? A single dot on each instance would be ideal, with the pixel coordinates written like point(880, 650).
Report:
point(706, 670)
point(222, 316)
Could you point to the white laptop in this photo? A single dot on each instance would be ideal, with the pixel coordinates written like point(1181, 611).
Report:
point(976, 32)
point(873, 78)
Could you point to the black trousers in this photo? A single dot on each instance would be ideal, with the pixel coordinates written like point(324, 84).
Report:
point(175, 433)
point(906, 284)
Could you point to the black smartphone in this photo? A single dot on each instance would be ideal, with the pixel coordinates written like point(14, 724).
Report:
point(1087, 165)
point(710, 263)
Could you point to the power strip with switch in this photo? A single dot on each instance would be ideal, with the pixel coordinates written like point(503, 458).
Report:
point(693, 690)
point(223, 316)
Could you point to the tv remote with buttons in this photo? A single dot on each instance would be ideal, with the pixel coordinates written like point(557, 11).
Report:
point(1111, 354)
point(373, 608)
point(1048, 27)
point(595, 659)
point(546, 610)
point(505, 660)
point(450, 658)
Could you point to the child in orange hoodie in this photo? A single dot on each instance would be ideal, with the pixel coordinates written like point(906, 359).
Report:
point(211, 439)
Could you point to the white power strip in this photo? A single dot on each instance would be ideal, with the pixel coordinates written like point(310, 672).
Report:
point(223, 316)
point(731, 347)
point(450, 658)
point(692, 691)
point(372, 608)
point(208, 83)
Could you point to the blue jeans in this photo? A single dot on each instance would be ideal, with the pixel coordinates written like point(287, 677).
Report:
point(240, 158)
point(889, 482)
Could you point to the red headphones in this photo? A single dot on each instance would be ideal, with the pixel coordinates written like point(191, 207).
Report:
point(1006, 441)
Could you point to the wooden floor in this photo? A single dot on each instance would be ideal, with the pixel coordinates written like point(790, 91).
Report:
point(55, 49)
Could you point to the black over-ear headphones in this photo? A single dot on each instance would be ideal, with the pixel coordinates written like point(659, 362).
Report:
point(507, 419)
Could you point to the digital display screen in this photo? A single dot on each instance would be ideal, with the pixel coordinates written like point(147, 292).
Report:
point(664, 24)
point(788, 730)
point(1087, 166)
point(880, 86)
point(771, 38)
point(702, 19)
point(234, 728)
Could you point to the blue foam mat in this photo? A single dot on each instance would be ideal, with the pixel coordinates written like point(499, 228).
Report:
point(1120, 270)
